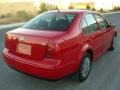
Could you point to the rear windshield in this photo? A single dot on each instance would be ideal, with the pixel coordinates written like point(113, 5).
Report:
point(50, 21)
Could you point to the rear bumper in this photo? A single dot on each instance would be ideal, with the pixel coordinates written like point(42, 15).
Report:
point(50, 69)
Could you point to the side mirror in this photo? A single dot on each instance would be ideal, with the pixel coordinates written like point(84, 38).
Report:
point(112, 25)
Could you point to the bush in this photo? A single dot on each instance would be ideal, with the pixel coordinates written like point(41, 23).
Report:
point(22, 14)
point(51, 7)
point(55, 8)
point(88, 7)
point(8, 15)
point(102, 10)
point(3, 16)
point(93, 9)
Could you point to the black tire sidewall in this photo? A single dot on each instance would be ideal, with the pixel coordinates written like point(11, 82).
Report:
point(81, 78)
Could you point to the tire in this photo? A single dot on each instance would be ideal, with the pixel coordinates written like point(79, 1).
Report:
point(113, 45)
point(84, 68)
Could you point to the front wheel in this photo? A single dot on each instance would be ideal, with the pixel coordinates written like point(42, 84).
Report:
point(84, 68)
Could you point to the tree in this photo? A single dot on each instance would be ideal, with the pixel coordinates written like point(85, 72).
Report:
point(101, 10)
point(43, 7)
point(116, 8)
point(93, 9)
point(71, 7)
point(88, 7)
point(119, 8)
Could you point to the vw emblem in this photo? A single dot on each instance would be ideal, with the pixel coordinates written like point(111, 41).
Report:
point(21, 39)
point(43, 44)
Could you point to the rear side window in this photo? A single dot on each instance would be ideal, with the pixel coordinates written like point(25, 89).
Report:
point(85, 27)
point(101, 21)
point(50, 21)
point(91, 22)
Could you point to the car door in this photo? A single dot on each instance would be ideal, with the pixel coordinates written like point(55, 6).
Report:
point(105, 30)
point(92, 34)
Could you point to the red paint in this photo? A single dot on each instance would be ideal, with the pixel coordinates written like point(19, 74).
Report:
point(54, 54)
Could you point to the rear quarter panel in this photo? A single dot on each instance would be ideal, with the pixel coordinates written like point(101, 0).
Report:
point(71, 44)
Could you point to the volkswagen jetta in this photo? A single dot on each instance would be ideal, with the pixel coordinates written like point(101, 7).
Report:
point(55, 44)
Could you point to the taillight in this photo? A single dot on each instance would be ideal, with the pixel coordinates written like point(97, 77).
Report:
point(51, 47)
point(7, 38)
point(52, 51)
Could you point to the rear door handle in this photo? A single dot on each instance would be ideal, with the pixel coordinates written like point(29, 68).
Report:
point(105, 31)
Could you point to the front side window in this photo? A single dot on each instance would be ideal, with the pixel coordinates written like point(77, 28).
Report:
point(101, 21)
point(51, 22)
point(91, 22)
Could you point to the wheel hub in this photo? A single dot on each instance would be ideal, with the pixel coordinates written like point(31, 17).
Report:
point(85, 67)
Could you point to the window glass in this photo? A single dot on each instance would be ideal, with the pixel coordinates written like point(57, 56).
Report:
point(101, 21)
point(85, 27)
point(51, 21)
point(70, 17)
point(91, 22)
point(60, 16)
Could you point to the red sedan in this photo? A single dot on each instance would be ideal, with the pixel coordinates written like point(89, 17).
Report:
point(58, 43)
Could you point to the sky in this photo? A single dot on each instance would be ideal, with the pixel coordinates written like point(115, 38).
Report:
point(98, 3)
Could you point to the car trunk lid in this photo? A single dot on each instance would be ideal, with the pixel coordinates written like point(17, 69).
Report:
point(30, 44)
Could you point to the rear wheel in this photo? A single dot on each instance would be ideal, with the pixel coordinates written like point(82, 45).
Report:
point(84, 68)
point(113, 45)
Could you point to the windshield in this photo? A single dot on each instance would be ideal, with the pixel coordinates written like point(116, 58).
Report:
point(50, 21)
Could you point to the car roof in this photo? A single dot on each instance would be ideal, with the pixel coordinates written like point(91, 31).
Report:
point(73, 11)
